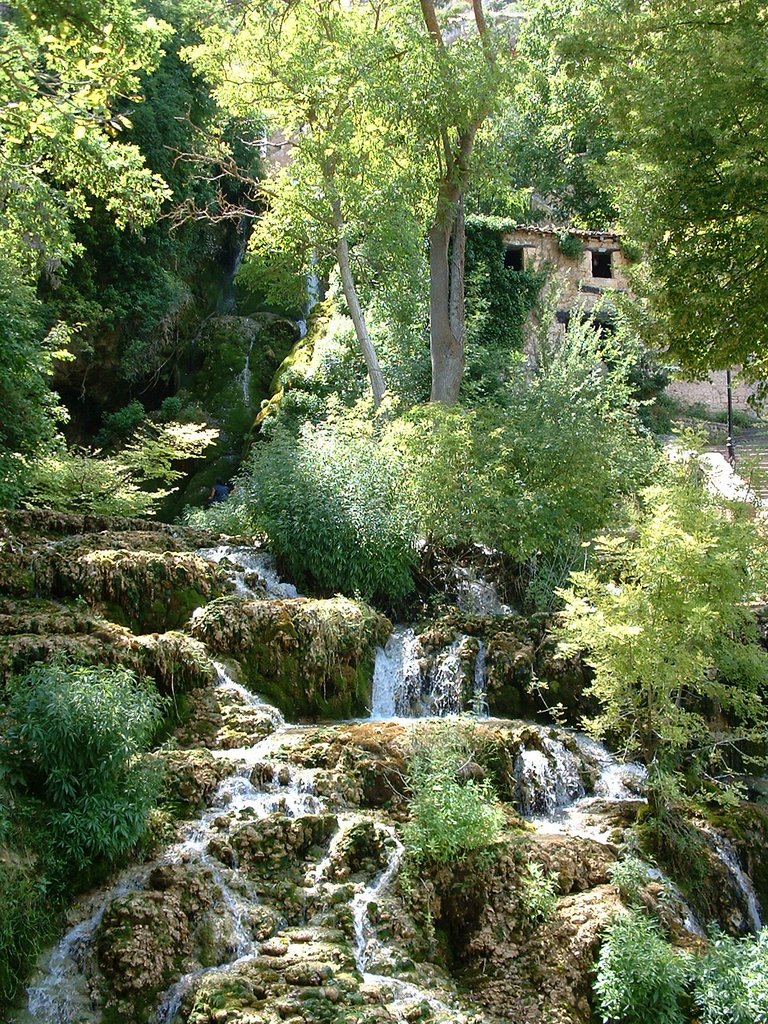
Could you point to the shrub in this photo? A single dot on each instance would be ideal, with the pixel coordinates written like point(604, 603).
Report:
point(25, 924)
point(640, 978)
point(122, 424)
point(128, 483)
point(570, 245)
point(630, 876)
point(666, 622)
point(334, 507)
point(71, 753)
point(538, 894)
point(451, 816)
point(535, 475)
point(731, 981)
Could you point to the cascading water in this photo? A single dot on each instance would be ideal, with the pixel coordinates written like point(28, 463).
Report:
point(245, 377)
point(404, 688)
point(479, 699)
point(726, 851)
point(446, 695)
point(249, 562)
point(397, 676)
point(548, 777)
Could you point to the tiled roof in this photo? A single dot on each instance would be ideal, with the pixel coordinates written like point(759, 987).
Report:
point(552, 229)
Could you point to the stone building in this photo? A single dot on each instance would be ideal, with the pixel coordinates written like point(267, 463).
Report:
point(586, 264)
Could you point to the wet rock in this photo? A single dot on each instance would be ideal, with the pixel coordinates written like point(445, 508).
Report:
point(280, 845)
point(190, 777)
point(312, 659)
point(145, 937)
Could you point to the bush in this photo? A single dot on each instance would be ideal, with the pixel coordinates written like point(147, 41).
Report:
point(128, 483)
point(71, 755)
point(451, 816)
point(538, 894)
point(539, 473)
point(120, 425)
point(25, 924)
point(667, 626)
point(630, 876)
point(640, 978)
point(731, 981)
point(334, 507)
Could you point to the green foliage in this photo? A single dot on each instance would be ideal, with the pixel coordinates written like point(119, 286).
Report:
point(120, 425)
point(27, 353)
point(498, 302)
point(640, 978)
point(570, 245)
point(682, 90)
point(731, 980)
point(70, 479)
point(538, 895)
point(26, 924)
point(630, 876)
point(169, 409)
point(451, 816)
point(551, 140)
point(71, 755)
point(333, 506)
point(666, 624)
point(551, 464)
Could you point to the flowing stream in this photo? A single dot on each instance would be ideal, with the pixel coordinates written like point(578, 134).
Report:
point(549, 776)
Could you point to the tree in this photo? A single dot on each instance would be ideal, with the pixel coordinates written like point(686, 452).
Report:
point(667, 628)
point(61, 77)
point(685, 89)
point(464, 91)
point(322, 74)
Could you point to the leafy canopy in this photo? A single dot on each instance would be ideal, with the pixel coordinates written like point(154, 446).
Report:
point(684, 88)
point(666, 626)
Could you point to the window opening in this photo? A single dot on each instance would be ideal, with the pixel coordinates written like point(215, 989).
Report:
point(601, 263)
point(513, 257)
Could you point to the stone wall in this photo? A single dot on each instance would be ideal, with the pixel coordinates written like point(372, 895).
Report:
point(711, 393)
point(578, 284)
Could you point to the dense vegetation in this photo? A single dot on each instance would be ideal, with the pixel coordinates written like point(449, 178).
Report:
point(428, 407)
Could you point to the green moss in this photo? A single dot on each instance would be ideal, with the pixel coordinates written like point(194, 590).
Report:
point(313, 659)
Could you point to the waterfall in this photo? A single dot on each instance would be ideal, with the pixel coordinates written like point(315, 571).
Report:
point(476, 595)
point(245, 377)
point(396, 676)
point(726, 851)
point(248, 561)
point(403, 689)
point(365, 935)
point(547, 779)
point(447, 681)
point(479, 700)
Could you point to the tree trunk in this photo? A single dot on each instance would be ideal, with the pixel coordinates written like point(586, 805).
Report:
point(446, 308)
point(350, 294)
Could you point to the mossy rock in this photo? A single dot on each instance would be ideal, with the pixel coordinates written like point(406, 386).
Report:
point(296, 367)
point(32, 525)
point(239, 356)
point(176, 662)
point(311, 658)
point(147, 590)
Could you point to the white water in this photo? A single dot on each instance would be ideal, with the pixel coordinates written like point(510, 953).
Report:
point(730, 858)
point(246, 561)
point(228, 685)
point(245, 377)
point(397, 678)
point(476, 595)
point(479, 699)
point(405, 685)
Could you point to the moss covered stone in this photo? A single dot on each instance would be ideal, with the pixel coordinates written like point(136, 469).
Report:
point(311, 658)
